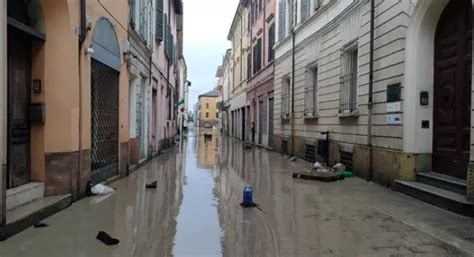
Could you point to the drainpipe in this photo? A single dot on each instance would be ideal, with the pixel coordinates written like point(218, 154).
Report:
point(371, 88)
point(82, 38)
point(293, 51)
point(3, 175)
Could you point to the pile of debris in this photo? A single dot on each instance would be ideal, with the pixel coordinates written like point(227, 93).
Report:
point(322, 172)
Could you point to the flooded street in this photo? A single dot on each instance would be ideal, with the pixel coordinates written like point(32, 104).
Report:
point(195, 211)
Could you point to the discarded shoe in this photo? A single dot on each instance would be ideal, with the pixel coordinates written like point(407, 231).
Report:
point(106, 239)
point(152, 185)
point(40, 225)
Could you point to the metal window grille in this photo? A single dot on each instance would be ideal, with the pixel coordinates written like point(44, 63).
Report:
point(348, 101)
point(105, 121)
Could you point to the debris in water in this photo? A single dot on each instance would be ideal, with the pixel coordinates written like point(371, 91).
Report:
point(101, 189)
point(248, 198)
point(318, 175)
point(152, 185)
point(106, 238)
point(293, 158)
point(41, 224)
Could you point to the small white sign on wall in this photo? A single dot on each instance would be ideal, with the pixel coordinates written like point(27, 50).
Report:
point(394, 107)
point(394, 119)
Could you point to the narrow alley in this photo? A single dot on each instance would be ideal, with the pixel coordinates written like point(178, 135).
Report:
point(195, 212)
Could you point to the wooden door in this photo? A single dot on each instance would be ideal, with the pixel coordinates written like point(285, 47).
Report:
point(452, 89)
point(19, 82)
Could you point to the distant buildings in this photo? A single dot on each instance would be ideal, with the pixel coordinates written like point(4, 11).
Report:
point(208, 113)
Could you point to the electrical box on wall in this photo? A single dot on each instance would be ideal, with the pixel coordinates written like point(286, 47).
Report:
point(37, 86)
point(394, 93)
point(37, 113)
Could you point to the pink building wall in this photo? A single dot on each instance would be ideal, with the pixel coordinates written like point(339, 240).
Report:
point(163, 71)
point(261, 82)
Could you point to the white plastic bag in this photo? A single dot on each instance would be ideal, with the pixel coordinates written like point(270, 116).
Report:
point(101, 189)
point(317, 165)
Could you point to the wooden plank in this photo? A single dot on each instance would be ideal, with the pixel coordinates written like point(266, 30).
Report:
point(319, 176)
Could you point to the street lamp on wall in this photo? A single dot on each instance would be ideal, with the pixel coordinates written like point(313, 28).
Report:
point(424, 98)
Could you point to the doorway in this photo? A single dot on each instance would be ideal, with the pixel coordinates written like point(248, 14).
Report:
point(19, 81)
point(452, 90)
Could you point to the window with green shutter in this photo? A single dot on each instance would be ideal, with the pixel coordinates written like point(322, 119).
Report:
point(132, 14)
point(159, 21)
point(271, 42)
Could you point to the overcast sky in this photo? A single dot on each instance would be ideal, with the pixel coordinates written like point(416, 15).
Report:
point(206, 26)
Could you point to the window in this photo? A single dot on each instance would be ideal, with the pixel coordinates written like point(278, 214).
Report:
point(348, 97)
point(249, 66)
point(257, 56)
point(260, 5)
point(217, 115)
point(271, 42)
point(168, 96)
point(285, 97)
point(207, 105)
point(305, 10)
point(133, 16)
point(159, 20)
point(281, 19)
point(207, 114)
point(290, 15)
point(311, 95)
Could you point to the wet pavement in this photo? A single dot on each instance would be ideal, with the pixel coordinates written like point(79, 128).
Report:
point(195, 212)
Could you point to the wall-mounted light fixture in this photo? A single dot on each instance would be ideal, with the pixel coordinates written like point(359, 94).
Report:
point(424, 98)
point(37, 86)
point(89, 51)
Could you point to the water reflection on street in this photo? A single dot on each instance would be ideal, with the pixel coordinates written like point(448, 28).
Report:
point(195, 211)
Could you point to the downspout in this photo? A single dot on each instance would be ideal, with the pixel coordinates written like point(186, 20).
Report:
point(371, 88)
point(82, 38)
point(3, 175)
point(293, 52)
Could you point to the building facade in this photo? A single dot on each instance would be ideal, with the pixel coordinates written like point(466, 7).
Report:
point(260, 70)
point(184, 84)
point(392, 93)
point(224, 80)
point(140, 34)
point(239, 35)
point(208, 111)
point(80, 79)
point(165, 73)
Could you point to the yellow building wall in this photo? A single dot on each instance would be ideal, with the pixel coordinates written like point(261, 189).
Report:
point(212, 110)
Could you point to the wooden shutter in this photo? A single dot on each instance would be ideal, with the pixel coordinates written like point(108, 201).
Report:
point(305, 10)
point(281, 19)
point(159, 20)
point(271, 42)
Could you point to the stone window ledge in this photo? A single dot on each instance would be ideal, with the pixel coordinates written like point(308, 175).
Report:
point(348, 114)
